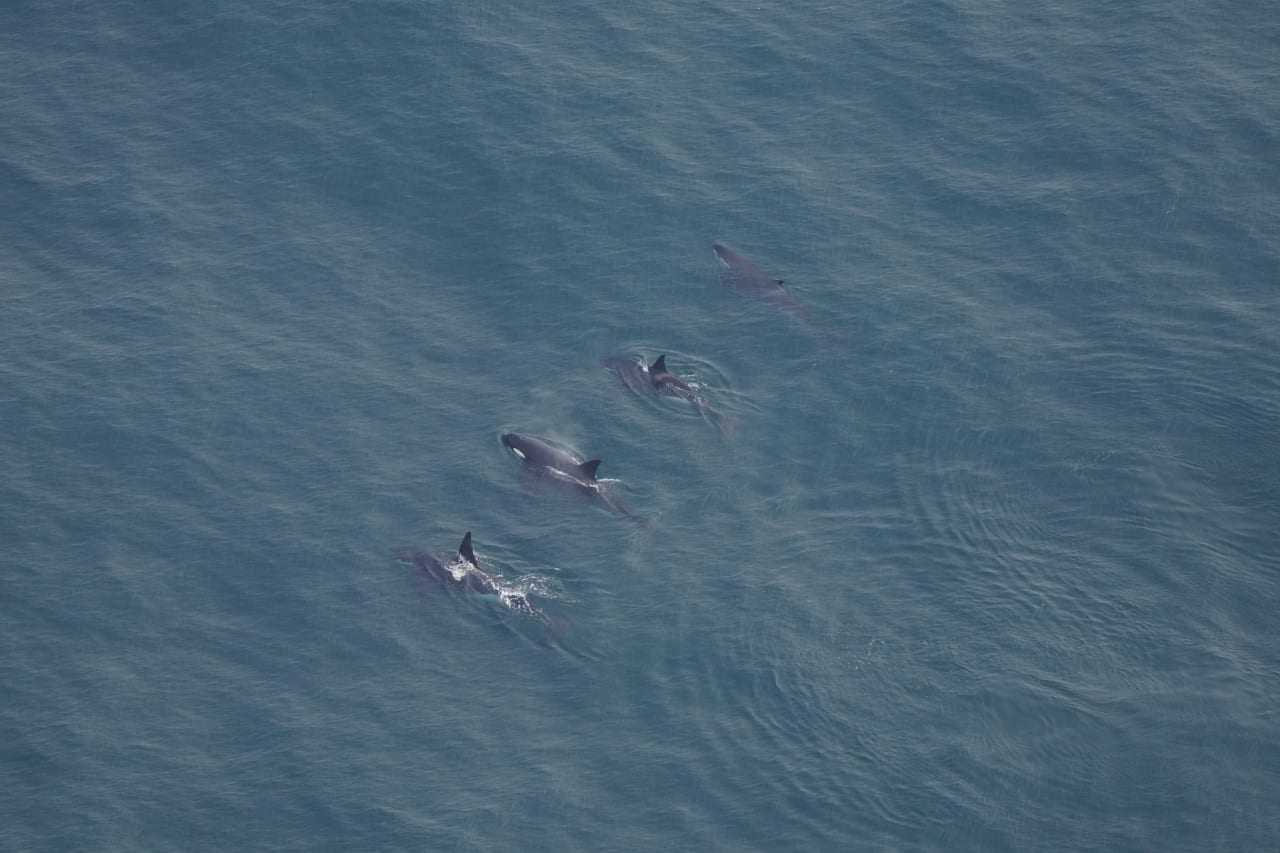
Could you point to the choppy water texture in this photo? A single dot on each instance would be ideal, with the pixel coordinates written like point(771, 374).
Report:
point(988, 562)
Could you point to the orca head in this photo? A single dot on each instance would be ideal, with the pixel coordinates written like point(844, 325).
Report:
point(514, 442)
point(723, 253)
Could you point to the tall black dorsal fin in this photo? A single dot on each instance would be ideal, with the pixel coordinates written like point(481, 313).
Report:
point(589, 468)
point(465, 552)
point(659, 366)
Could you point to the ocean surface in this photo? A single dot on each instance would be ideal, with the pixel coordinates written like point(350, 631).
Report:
point(979, 551)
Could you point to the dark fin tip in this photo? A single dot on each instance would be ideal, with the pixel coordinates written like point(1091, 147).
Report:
point(589, 468)
point(465, 551)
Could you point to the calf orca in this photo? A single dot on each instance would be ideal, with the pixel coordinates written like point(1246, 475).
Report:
point(657, 379)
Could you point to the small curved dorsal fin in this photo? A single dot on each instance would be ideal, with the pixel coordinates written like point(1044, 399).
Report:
point(465, 551)
point(589, 468)
point(779, 282)
point(659, 366)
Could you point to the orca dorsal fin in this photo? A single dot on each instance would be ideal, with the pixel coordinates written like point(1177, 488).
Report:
point(659, 366)
point(465, 551)
point(589, 468)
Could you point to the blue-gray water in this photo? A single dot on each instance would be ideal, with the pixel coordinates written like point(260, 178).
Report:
point(989, 559)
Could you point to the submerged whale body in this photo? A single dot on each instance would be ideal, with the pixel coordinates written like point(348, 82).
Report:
point(745, 276)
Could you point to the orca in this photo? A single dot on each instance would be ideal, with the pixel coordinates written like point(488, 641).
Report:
point(745, 276)
point(656, 379)
point(537, 453)
point(462, 573)
point(566, 468)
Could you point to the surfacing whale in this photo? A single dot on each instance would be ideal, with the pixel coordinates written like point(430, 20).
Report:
point(564, 468)
point(462, 573)
point(657, 379)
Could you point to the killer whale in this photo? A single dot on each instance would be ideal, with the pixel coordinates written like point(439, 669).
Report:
point(747, 277)
point(537, 453)
point(658, 380)
point(463, 574)
point(564, 467)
